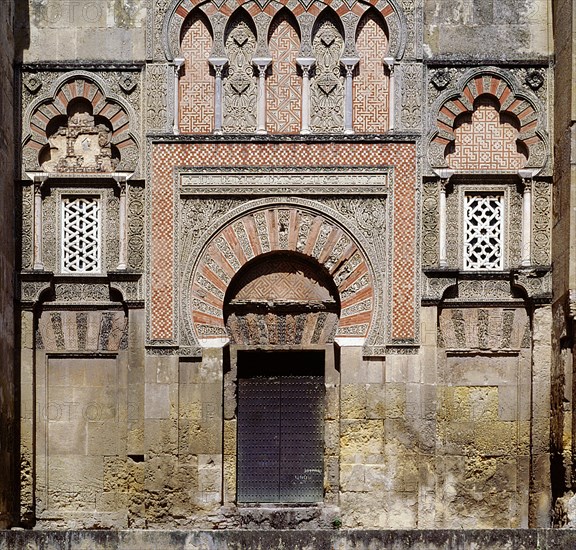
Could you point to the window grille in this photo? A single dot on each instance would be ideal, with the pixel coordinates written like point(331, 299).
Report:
point(483, 231)
point(81, 250)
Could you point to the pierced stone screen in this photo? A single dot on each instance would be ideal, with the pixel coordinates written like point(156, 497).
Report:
point(483, 231)
point(81, 248)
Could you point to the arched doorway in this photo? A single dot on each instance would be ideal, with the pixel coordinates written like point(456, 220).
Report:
point(281, 313)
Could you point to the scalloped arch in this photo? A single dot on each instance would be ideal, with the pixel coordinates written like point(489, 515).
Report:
point(179, 10)
point(280, 228)
point(505, 91)
point(80, 84)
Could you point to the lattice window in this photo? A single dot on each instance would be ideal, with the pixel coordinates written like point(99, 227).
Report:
point(483, 231)
point(81, 248)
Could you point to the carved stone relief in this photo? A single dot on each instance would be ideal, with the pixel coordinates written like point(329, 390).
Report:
point(155, 44)
point(81, 292)
point(81, 145)
point(136, 227)
point(465, 86)
point(413, 21)
point(488, 329)
point(367, 219)
point(453, 231)
point(27, 225)
point(306, 23)
point(82, 121)
point(327, 86)
point(157, 117)
point(430, 205)
point(82, 331)
point(50, 234)
point(350, 21)
point(239, 82)
point(411, 105)
point(537, 283)
point(541, 208)
point(403, 20)
point(282, 299)
point(111, 227)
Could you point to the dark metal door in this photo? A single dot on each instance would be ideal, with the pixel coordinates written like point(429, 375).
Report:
point(281, 436)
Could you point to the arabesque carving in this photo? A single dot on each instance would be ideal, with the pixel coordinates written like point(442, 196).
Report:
point(81, 145)
point(240, 82)
point(327, 85)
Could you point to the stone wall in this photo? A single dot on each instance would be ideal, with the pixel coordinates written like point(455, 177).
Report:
point(7, 371)
point(77, 30)
point(487, 29)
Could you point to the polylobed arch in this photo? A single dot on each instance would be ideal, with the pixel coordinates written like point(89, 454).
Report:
point(80, 89)
point(516, 106)
point(486, 139)
point(389, 10)
point(293, 231)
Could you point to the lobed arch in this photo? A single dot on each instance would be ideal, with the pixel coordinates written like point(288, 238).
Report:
point(264, 11)
point(280, 230)
point(77, 88)
point(511, 101)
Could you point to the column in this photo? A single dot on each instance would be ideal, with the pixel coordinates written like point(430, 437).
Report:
point(306, 65)
point(261, 64)
point(218, 64)
point(178, 62)
point(38, 262)
point(122, 240)
point(527, 222)
point(349, 64)
point(390, 62)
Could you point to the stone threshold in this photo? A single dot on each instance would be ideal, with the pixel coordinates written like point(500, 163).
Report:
point(337, 539)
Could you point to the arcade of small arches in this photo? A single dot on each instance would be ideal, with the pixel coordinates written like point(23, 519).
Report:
point(282, 78)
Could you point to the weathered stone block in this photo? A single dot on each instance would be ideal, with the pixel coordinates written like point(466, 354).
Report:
point(361, 441)
point(353, 401)
point(376, 401)
point(157, 401)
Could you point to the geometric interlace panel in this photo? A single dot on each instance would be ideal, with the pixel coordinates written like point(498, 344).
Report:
point(81, 235)
point(483, 239)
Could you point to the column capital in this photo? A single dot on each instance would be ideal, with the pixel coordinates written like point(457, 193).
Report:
point(218, 61)
point(443, 173)
point(349, 62)
point(178, 62)
point(261, 62)
point(390, 62)
point(305, 62)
